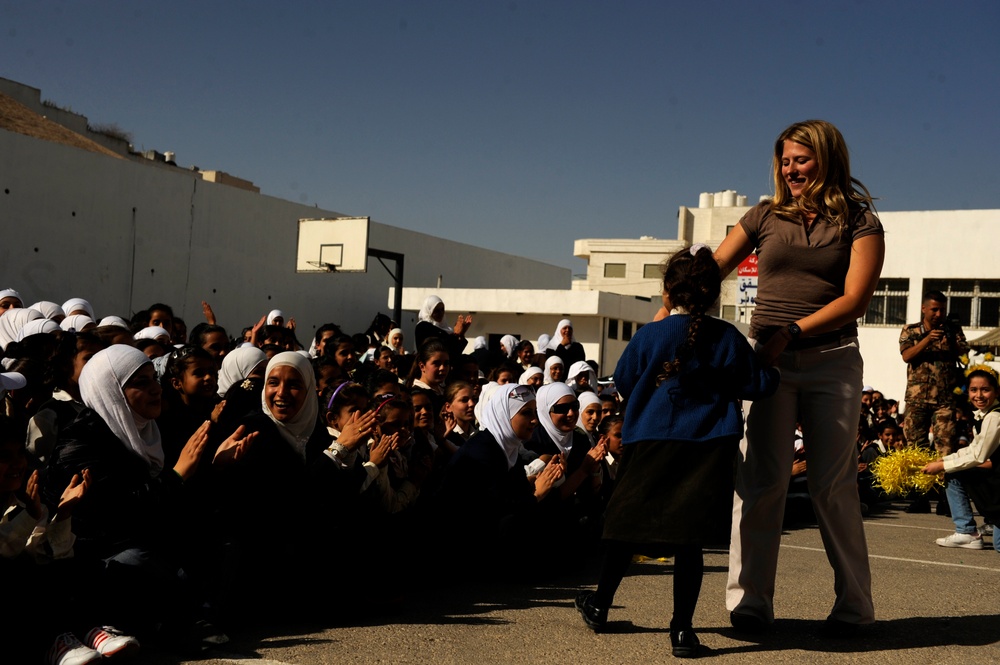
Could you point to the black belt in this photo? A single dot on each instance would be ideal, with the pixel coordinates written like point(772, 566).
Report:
point(806, 342)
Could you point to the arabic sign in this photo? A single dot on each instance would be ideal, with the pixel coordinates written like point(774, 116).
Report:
point(746, 277)
point(748, 267)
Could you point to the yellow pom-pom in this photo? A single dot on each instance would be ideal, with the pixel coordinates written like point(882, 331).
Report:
point(964, 359)
point(899, 472)
point(988, 357)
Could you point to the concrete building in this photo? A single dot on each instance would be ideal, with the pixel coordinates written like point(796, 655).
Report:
point(125, 231)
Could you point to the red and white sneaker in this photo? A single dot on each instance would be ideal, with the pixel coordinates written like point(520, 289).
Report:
point(68, 650)
point(110, 642)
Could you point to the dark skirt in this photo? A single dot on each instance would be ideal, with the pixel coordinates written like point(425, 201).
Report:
point(672, 492)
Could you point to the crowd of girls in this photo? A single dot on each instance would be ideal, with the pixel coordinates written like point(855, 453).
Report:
point(195, 479)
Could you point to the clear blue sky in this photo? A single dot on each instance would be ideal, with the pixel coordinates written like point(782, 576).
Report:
point(522, 126)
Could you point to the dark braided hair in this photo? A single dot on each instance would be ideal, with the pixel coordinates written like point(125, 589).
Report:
point(692, 281)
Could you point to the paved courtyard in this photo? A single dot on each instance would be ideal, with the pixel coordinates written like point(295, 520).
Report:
point(934, 605)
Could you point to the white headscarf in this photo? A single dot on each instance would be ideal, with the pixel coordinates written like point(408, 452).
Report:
point(578, 368)
point(49, 310)
point(298, 429)
point(510, 344)
point(556, 341)
point(273, 314)
point(101, 384)
point(547, 396)
point(543, 343)
point(552, 360)
point(37, 327)
point(152, 332)
point(479, 343)
point(116, 321)
point(76, 322)
point(501, 408)
point(388, 341)
point(586, 399)
point(425, 313)
point(74, 304)
point(11, 293)
point(237, 366)
point(12, 321)
point(527, 374)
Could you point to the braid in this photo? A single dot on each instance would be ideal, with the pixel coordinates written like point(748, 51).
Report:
point(691, 279)
point(685, 353)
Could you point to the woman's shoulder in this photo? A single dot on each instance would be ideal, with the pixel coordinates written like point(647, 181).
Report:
point(865, 222)
point(753, 217)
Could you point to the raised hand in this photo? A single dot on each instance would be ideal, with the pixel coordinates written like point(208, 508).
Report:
point(234, 448)
point(72, 495)
point(379, 453)
point(357, 430)
point(187, 463)
point(33, 494)
point(206, 309)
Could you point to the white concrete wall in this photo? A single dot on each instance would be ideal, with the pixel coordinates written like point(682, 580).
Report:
point(124, 235)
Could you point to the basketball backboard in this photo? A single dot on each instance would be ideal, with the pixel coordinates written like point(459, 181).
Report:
point(333, 245)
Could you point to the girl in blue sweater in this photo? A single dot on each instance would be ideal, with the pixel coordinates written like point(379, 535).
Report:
point(683, 378)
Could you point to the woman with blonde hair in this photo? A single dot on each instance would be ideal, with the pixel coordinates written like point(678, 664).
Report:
point(820, 249)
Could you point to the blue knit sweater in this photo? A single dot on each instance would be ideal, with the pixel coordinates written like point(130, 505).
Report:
point(701, 402)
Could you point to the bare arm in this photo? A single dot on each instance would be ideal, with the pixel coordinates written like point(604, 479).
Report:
point(736, 247)
point(867, 254)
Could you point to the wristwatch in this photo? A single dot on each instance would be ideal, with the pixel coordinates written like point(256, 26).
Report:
point(794, 330)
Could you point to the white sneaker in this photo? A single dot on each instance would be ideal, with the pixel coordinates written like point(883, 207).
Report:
point(67, 650)
point(111, 642)
point(966, 541)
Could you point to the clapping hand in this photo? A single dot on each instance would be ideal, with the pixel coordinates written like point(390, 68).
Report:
point(234, 448)
point(71, 496)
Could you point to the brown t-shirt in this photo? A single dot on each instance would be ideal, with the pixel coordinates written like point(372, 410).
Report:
point(800, 271)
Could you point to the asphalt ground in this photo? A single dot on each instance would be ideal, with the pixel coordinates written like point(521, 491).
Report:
point(933, 605)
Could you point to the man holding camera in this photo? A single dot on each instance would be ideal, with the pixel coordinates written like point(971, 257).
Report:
point(931, 349)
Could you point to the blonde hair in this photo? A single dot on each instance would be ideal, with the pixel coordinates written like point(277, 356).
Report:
point(833, 195)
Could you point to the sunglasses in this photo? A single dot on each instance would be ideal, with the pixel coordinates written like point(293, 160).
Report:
point(563, 409)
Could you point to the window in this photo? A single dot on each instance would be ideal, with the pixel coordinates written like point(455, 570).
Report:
point(612, 328)
point(888, 304)
point(974, 303)
point(652, 271)
point(616, 270)
point(626, 330)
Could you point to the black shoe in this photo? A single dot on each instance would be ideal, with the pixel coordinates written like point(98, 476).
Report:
point(684, 643)
point(595, 617)
point(837, 629)
point(748, 623)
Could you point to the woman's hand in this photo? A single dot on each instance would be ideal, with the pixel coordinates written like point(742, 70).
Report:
point(773, 348)
point(594, 456)
point(206, 309)
point(71, 496)
point(462, 324)
point(934, 468)
point(255, 332)
point(552, 472)
point(449, 423)
point(357, 430)
point(379, 453)
point(217, 411)
point(187, 463)
point(33, 494)
point(234, 448)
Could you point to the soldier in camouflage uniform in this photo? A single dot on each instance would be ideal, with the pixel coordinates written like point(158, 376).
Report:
point(931, 349)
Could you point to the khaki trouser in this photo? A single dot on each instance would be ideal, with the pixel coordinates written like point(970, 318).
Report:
point(920, 419)
point(821, 388)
